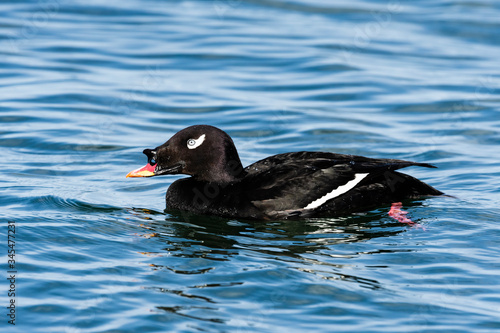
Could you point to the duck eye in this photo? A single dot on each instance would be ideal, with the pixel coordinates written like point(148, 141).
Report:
point(195, 143)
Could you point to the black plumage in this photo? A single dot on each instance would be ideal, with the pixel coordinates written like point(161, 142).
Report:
point(290, 185)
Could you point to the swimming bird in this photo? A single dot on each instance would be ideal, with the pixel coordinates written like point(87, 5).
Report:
point(285, 186)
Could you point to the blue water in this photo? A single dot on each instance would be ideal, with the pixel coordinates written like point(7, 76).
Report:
point(85, 86)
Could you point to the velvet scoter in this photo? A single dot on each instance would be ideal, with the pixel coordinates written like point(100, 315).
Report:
point(291, 185)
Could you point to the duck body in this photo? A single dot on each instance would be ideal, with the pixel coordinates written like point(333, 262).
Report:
point(284, 186)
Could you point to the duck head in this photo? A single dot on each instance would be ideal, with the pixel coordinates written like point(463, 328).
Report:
point(204, 152)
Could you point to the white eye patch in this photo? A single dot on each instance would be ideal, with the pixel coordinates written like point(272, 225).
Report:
point(195, 143)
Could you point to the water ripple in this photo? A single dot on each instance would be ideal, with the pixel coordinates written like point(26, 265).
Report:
point(87, 86)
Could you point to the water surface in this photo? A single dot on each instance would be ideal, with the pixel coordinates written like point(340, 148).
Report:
point(86, 86)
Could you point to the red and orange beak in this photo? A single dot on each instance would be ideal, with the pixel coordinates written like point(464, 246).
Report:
point(146, 171)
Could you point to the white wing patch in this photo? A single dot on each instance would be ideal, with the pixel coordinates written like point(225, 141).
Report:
point(195, 143)
point(338, 191)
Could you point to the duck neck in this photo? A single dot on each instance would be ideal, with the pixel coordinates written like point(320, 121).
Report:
point(228, 170)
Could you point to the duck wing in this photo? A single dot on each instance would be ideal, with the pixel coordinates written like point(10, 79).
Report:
point(308, 180)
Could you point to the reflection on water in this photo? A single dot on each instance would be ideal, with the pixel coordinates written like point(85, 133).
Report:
point(292, 242)
point(285, 250)
point(87, 86)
